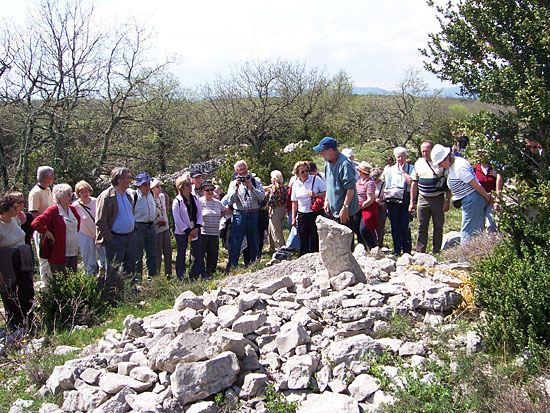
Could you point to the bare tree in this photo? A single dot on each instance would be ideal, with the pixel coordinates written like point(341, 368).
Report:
point(409, 114)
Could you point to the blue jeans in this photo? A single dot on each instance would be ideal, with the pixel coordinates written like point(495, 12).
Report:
point(90, 253)
point(197, 266)
point(490, 223)
point(121, 255)
point(244, 223)
point(146, 240)
point(473, 216)
point(400, 229)
point(293, 240)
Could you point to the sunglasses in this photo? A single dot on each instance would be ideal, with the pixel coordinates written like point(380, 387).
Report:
point(208, 190)
point(304, 171)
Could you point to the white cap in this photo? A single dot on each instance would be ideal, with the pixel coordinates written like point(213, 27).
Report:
point(348, 152)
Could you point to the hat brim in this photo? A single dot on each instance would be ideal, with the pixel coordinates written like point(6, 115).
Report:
point(365, 171)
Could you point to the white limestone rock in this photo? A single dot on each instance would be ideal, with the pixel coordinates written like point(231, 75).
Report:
point(195, 381)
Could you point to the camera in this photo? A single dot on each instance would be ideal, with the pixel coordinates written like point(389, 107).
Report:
point(242, 178)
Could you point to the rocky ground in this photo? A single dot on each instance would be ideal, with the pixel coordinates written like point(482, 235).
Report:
point(312, 329)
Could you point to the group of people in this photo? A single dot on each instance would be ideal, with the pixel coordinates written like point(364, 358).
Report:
point(114, 231)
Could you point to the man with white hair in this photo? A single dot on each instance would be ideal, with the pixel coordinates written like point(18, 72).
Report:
point(397, 195)
point(245, 193)
point(40, 198)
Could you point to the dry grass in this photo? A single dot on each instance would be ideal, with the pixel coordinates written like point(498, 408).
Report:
point(476, 248)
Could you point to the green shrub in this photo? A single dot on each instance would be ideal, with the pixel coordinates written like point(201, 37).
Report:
point(514, 291)
point(71, 299)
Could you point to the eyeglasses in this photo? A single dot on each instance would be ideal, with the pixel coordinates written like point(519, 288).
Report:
point(304, 171)
point(208, 190)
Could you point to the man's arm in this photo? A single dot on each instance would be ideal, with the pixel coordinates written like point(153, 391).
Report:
point(414, 191)
point(103, 232)
point(343, 215)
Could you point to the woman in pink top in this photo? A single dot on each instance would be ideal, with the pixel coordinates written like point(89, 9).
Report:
point(366, 220)
point(85, 206)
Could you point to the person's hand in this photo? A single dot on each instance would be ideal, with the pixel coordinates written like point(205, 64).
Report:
point(411, 207)
point(161, 223)
point(490, 200)
point(248, 184)
point(293, 222)
point(343, 215)
point(311, 194)
point(446, 205)
point(49, 235)
point(326, 207)
point(194, 232)
point(497, 207)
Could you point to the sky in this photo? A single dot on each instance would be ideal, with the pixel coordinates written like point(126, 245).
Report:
point(373, 41)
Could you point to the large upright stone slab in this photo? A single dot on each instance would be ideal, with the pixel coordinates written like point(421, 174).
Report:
point(195, 381)
point(334, 244)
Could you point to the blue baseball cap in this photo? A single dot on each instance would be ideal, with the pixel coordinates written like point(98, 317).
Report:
point(142, 178)
point(326, 143)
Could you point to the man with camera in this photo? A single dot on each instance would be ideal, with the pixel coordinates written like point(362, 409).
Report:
point(245, 193)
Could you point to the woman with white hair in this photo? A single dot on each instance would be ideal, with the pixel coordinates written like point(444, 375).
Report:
point(277, 208)
point(60, 223)
point(397, 194)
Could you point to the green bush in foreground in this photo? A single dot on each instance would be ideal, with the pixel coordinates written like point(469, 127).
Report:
point(514, 291)
point(71, 299)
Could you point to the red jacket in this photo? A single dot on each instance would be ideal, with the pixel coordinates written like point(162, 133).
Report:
point(50, 220)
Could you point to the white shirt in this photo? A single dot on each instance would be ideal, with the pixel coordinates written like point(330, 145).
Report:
point(145, 209)
point(299, 192)
point(71, 231)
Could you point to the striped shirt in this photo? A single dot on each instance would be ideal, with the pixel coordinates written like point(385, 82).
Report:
point(427, 176)
point(211, 214)
point(460, 173)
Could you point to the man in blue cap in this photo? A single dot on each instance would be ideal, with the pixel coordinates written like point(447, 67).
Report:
point(341, 200)
point(145, 211)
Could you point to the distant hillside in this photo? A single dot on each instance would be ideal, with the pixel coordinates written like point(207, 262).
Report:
point(448, 92)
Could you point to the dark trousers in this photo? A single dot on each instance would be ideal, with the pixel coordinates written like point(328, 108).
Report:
point(307, 229)
point(210, 246)
point(146, 240)
point(430, 208)
point(71, 263)
point(400, 229)
point(381, 230)
point(121, 254)
point(197, 257)
point(18, 299)
point(367, 236)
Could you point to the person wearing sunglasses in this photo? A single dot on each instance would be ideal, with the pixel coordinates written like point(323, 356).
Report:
point(212, 212)
point(304, 192)
point(187, 212)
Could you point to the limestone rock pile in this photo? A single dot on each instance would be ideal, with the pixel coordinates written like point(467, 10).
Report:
point(305, 331)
